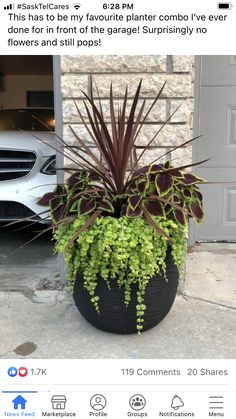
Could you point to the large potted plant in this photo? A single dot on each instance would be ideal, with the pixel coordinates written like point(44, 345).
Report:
point(122, 228)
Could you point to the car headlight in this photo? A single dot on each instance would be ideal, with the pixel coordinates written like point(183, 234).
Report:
point(49, 168)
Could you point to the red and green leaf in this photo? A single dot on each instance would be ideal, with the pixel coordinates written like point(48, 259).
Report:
point(198, 195)
point(196, 211)
point(155, 168)
point(72, 180)
point(190, 179)
point(134, 201)
point(138, 212)
point(175, 173)
point(140, 171)
point(154, 208)
point(187, 193)
point(179, 216)
point(106, 206)
point(95, 177)
point(60, 190)
point(59, 212)
point(142, 185)
point(164, 183)
point(45, 199)
point(177, 199)
point(55, 203)
point(86, 206)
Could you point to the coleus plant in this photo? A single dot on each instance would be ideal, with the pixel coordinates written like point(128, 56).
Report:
point(115, 184)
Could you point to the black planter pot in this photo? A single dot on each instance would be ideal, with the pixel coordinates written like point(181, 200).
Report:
point(114, 316)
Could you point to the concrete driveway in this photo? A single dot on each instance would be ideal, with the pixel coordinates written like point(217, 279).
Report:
point(39, 320)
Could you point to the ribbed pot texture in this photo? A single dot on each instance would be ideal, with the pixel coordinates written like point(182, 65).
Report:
point(114, 316)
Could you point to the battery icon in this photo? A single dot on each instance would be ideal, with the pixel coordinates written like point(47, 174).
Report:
point(225, 6)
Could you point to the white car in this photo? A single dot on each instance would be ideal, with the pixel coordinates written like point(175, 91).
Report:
point(27, 165)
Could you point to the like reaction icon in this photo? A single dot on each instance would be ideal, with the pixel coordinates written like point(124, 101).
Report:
point(13, 372)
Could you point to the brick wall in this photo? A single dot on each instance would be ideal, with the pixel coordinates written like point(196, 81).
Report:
point(178, 71)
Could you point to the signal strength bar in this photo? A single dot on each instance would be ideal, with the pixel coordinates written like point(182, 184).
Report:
point(9, 7)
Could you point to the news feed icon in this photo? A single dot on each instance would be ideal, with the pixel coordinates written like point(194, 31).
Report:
point(19, 403)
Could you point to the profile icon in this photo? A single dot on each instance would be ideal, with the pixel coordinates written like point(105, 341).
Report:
point(98, 402)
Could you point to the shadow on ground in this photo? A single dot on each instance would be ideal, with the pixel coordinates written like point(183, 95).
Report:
point(38, 251)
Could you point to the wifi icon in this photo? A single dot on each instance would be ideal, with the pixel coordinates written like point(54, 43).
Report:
point(76, 6)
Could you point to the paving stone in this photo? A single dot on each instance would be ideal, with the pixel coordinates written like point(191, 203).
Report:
point(192, 329)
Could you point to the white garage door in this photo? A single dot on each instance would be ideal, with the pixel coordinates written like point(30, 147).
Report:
point(217, 124)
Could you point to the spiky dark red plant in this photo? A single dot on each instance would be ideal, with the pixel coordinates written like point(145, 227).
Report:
point(115, 184)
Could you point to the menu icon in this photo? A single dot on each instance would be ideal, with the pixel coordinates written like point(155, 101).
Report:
point(216, 403)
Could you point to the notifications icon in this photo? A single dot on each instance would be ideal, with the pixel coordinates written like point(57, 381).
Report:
point(176, 403)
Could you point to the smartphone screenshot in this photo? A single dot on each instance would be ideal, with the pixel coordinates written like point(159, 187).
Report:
point(117, 209)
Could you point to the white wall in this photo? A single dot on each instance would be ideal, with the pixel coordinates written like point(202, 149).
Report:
point(122, 70)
